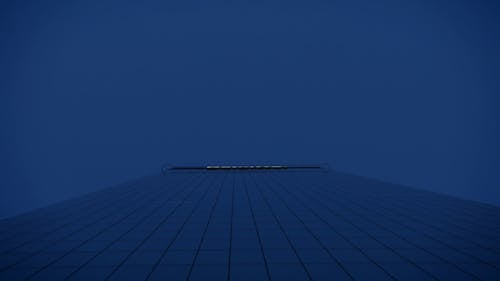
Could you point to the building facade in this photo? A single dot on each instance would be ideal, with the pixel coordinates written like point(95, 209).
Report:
point(254, 223)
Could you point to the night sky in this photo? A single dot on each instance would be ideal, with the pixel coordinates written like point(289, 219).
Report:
point(93, 94)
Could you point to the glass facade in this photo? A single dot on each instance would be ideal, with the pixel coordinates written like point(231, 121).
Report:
point(254, 224)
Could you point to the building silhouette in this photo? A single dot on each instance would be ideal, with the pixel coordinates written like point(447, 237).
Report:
point(254, 223)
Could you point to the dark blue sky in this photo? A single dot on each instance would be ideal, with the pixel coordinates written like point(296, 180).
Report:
point(94, 94)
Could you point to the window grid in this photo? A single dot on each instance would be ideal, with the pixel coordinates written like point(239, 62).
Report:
point(287, 224)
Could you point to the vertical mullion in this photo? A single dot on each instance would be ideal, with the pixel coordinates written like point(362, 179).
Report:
point(212, 209)
point(231, 228)
point(257, 230)
point(282, 229)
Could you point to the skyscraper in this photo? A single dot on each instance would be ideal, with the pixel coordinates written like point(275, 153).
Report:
point(254, 223)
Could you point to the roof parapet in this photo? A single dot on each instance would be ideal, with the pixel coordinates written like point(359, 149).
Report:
point(240, 167)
